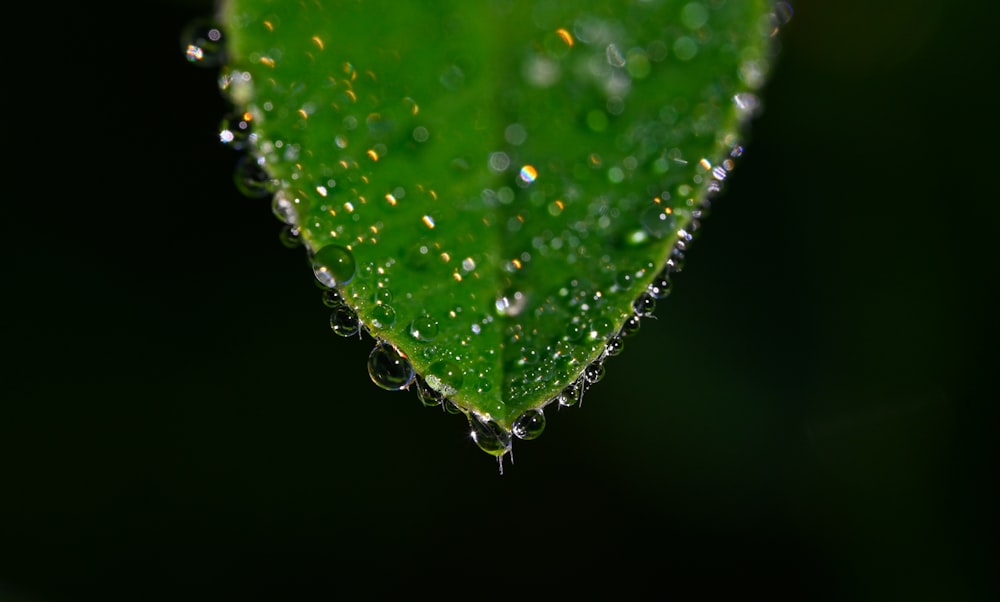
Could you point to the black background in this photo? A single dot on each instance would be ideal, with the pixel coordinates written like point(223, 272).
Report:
point(810, 417)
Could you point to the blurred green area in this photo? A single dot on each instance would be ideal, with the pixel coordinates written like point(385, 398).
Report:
point(808, 418)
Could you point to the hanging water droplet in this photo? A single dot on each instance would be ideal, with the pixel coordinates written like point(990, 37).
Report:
point(659, 288)
point(290, 237)
point(451, 408)
point(593, 373)
point(332, 298)
point(631, 325)
point(614, 347)
point(529, 425)
point(283, 208)
point(202, 43)
point(428, 396)
point(250, 177)
point(444, 376)
point(234, 131)
point(570, 395)
point(333, 266)
point(344, 322)
point(383, 316)
point(389, 368)
point(424, 329)
point(490, 436)
point(644, 306)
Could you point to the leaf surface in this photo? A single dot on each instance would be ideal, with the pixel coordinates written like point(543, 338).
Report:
point(495, 191)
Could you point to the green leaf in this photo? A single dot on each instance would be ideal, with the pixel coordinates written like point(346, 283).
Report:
point(495, 191)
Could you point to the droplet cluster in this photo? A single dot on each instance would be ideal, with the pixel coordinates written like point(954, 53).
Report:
point(623, 185)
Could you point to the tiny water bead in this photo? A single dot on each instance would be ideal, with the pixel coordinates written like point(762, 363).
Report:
point(389, 368)
point(529, 425)
point(658, 222)
point(202, 43)
point(424, 329)
point(333, 266)
point(383, 316)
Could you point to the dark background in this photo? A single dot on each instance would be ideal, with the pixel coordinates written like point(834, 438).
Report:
point(810, 417)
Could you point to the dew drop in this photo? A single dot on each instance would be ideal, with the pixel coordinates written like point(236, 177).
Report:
point(644, 306)
point(424, 329)
point(389, 368)
point(631, 325)
point(290, 237)
point(383, 316)
point(529, 425)
point(593, 373)
point(202, 43)
point(614, 56)
point(657, 222)
point(332, 298)
point(659, 288)
point(344, 322)
point(451, 408)
point(570, 396)
point(512, 304)
point(250, 178)
point(333, 266)
point(490, 436)
point(284, 208)
point(444, 376)
point(234, 131)
point(428, 396)
point(614, 346)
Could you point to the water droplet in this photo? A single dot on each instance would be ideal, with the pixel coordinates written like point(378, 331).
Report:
point(383, 316)
point(614, 56)
point(747, 104)
point(490, 436)
point(614, 346)
point(202, 43)
point(332, 298)
point(451, 408)
point(344, 322)
point(428, 396)
point(529, 425)
point(382, 296)
point(234, 131)
point(333, 266)
point(444, 376)
point(658, 222)
point(283, 208)
point(593, 373)
point(290, 237)
point(512, 304)
point(659, 288)
point(389, 368)
point(631, 325)
point(250, 177)
point(424, 329)
point(645, 305)
point(570, 396)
